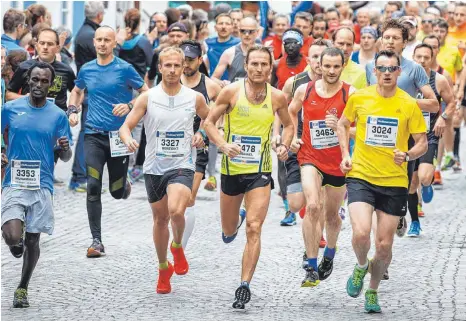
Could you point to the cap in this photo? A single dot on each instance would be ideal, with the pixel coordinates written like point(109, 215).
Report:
point(409, 19)
point(177, 26)
point(191, 51)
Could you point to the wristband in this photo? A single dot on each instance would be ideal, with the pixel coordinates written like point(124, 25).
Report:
point(286, 147)
point(72, 109)
point(130, 106)
point(204, 135)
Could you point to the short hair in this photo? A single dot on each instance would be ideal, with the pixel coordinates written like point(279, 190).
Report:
point(321, 43)
point(33, 13)
point(93, 8)
point(304, 15)
point(388, 54)
point(441, 23)
point(281, 16)
point(57, 39)
point(41, 65)
point(332, 9)
point(236, 10)
point(398, 4)
point(334, 36)
point(173, 15)
point(223, 14)
point(460, 4)
point(395, 24)
point(169, 51)
point(132, 19)
point(36, 30)
point(424, 45)
point(320, 18)
point(199, 14)
point(12, 19)
point(260, 48)
point(432, 37)
point(332, 52)
point(190, 27)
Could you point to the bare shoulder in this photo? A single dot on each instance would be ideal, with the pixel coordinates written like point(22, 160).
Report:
point(278, 97)
point(212, 86)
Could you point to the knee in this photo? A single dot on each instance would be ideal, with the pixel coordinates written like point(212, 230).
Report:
point(32, 239)
point(295, 203)
point(361, 236)
point(426, 178)
point(11, 237)
point(94, 190)
point(332, 218)
point(161, 220)
point(176, 213)
point(253, 229)
point(121, 191)
point(313, 210)
point(383, 248)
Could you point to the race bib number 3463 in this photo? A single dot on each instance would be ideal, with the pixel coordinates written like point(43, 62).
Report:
point(25, 174)
point(171, 144)
point(381, 131)
point(250, 149)
point(117, 147)
point(321, 135)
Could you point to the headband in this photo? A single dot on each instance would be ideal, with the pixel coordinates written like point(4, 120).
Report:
point(369, 30)
point(291, 34)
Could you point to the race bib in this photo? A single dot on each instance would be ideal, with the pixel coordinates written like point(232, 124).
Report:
point(381, 131)
point(117, 147)
point(322, 136)
point(25, 174)
point(426, 115)
point(171, 144)
point(250, 149)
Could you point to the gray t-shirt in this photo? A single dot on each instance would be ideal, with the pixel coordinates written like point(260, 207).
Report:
point(412, 78)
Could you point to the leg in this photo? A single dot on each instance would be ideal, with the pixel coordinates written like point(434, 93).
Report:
point(229, 208)
point(361, 221)
point(120, 188)
point(296, 201)
point(413, 198)
point(332, 201)
point(30, 258)
point(202, 160)
point(426, 173)
point(282, 181)
point(196, 183)
point(12, 231)
point(211, 184)
point(178, 198)
point(160, 231)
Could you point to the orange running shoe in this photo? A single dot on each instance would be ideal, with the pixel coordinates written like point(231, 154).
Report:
point(420, 212)
point(181, 265)
point(323, 242)
point(437, 178)
point(302, 212)
point(163, 284)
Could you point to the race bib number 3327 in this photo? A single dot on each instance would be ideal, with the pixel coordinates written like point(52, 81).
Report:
point(171, 144)
point(381, 131)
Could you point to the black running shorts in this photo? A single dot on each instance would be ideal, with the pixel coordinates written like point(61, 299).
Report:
point(293, 175)
point(327, 179)
point(202, 158)
point(156, 185)
point(428, 157)
point(233, 185)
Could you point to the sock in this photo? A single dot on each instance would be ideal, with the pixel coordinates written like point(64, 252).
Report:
point(329, 252)
point(438, 167)
point(312, 262)
point(163, 266)
point(176, 245)
point(287, 207)
point(245, 283)
point(190, 219)
point(372, 290)
point(413, 200)
point(449, 154)
point(365, 266)
point(456, 143)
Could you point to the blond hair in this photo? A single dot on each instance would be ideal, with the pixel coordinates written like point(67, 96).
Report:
point(169, 51)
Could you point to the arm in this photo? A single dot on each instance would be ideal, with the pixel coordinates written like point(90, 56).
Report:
point(281, 109)
point(419, 148)
point(202, 110)
point(447, 96)
point(343, 132)
point(429, 102)
point(74, 105)
point(223, 64)
point(16, 83)
point(139, 110)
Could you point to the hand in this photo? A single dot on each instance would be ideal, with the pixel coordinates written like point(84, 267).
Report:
point(152, 35)
point(346, 164)
point(331, 121)
point(439, 127)
point(224, 83)
point(282, 152)
point(62, 38)
point(4, 160)
point(231, 150)
point(296, 145)
point(197, 140)
point(132, 145)
point(74, 119)
point(276, 140)
point(121, 110)
point(122, 35)
point(64, 143)
point(399, 157)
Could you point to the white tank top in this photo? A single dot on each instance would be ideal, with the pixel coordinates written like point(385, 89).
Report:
point(169, 129)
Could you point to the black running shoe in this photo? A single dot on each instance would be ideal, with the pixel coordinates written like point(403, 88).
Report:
point(242, 296)
point(96, 249)
point(325, 268)
point(20, 299)
point(311, 279)
point(305, 260)
point(18, 249)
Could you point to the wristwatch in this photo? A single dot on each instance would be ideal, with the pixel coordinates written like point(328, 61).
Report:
point(130, 106)
point(407, 157)
point(444, 115)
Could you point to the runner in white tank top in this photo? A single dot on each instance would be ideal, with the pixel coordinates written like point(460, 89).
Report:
point(168, 110)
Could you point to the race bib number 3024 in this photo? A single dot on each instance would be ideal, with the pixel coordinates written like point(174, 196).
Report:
point(25, 174)
point(381, 131)
point(250, 149)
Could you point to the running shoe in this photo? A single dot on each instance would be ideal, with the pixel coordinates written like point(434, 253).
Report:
point(242, 296)
point(311, 279)
point(342, 213)
point(448, 163)
point(457, 167)
point(437, 178)
point(356, 281)
point(302, 212)
point(325, 268)
point(322, 243)
point(372, 302)
point(414, 229)
point(289, 220)
point(136, 174)
point(58, 182)
point(163, 283)
point(179, 260)
point(96, 249)
point(402, 227)
point(20, 299)
point(211, 184)
point(427, 193)
point(229, 239)
point(78, 187)
point(420, 212)
point(18, 249)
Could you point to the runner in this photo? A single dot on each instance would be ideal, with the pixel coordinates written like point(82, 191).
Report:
point(193, 79)
point(35, 125)
point(303, 22)
point(319, 157)
point(169, 110)
point(280, 23)
point(377, 177)
point(249, 107)
point(368, 49)
point(109, 82)
point(424, 166)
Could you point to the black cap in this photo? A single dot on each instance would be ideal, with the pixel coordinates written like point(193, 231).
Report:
point(177, 26)
point(191, 51)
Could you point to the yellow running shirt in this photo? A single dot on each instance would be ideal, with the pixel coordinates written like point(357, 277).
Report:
point(382, 125)
point(449, 58)
point(352, 74)
point(249, 126)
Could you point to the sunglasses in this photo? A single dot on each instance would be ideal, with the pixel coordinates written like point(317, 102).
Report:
point(427, 21)
point(247, 31)
point(387, 68)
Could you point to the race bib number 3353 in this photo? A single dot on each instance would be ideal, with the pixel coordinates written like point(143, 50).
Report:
point(25, 174)
point(381, 131)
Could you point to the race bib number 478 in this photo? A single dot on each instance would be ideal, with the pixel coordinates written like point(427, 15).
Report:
point(250, 149)
point(25, 174)
point(381, 131)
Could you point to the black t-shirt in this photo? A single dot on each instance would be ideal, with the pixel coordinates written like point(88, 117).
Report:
point(64, 81)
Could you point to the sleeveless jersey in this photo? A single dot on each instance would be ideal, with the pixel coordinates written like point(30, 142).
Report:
point(200, 88)
point(236, 71)
point(321, 147)
point(284, 71)
point(249, 126)
point(431, 118)
point(169, 130)
point(300, 79)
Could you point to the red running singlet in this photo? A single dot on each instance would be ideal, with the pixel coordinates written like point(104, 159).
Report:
point(284, 72)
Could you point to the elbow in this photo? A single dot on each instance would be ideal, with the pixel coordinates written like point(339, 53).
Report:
point(65, 156)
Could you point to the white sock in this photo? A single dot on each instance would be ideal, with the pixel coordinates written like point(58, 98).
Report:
point(449, 154)
point(364, 266)
point(190, 219)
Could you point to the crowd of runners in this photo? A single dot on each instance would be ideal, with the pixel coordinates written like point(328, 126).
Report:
point(362, 108)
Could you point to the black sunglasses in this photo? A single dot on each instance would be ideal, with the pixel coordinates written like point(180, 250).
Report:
point(387, 68)
point(246, 31)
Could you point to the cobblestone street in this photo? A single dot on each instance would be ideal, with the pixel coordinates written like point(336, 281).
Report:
point(427, 275)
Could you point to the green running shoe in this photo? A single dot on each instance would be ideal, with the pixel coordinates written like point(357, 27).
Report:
point(356, 281)
point(20, 299)
point(448, 163)
point(372, 302)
